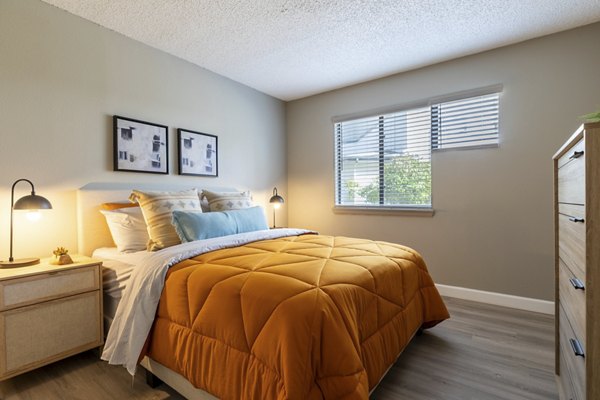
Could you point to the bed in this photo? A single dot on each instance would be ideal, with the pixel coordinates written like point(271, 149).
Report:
point(272, 314)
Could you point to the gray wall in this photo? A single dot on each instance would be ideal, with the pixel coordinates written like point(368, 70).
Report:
point(493, 226)
point(61, 80)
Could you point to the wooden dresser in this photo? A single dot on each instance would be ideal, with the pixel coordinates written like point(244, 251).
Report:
point(577, 265)
point(48, 312)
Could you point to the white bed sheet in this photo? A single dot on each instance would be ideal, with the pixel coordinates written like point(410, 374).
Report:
point(116, 272)
point(117, 268)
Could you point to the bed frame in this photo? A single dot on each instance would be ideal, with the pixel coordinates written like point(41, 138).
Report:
point(93, 233)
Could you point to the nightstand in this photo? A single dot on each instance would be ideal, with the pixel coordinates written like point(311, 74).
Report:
point(48, 312)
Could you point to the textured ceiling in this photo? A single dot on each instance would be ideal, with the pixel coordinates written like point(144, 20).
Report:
point(295, 48)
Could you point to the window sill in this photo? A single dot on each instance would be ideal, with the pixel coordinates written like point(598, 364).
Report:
point(400, 211)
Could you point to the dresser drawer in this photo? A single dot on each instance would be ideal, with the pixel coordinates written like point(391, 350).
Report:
point(39, 334)
point(571, 175)
point(47, 286)
point(573, 366)
point(571, 237)
point(565, 385)
point(572, 299)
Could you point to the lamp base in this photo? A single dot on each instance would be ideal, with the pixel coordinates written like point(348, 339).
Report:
point(23, 262)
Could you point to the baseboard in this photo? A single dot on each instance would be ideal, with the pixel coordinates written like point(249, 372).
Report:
point(498, 299)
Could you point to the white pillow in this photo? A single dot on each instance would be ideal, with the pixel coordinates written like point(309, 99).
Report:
point(128, 228)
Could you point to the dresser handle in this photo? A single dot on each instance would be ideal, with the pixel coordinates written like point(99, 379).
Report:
point(576, 154)
point(577, 284)
point(577, 349)
point(573, 219)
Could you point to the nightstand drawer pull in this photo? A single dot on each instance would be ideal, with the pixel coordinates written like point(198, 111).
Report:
point(576, 154)
point(577, 284)
point(576, 346)
point(573, 219)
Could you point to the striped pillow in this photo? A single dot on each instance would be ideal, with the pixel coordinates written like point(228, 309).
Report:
point(223, 201)
point(158, 207)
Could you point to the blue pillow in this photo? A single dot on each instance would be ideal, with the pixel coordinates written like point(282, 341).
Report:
point(192, 225)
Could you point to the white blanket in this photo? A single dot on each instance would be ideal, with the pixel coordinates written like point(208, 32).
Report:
point(136, 311)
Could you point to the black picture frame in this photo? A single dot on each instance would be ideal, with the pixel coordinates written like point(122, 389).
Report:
point(140, 146)
point(198, 153)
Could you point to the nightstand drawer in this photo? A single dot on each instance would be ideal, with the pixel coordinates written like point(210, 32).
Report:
point(50, 285)
point(39, 334)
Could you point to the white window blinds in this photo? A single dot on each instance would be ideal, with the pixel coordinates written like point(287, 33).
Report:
point(465, 123)
point(384, 160)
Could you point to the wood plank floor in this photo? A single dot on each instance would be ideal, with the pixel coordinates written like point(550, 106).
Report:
point(483, 352)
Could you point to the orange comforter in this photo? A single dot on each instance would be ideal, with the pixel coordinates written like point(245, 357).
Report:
point(301, 317)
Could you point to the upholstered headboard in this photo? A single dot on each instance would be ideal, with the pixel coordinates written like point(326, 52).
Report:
point(92, 231)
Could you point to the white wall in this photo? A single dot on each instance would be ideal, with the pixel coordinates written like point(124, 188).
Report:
point(493, 226)
point(61, 80)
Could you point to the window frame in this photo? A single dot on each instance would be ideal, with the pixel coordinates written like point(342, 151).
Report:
point(408, 210)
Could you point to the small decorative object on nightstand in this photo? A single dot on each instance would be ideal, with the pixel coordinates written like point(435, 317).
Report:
point(61, 257)
point(277, 201)
point(32, 202)
point(48, 312)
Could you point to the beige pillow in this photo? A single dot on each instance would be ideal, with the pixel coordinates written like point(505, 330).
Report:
point(158, 207)
point(223, 201)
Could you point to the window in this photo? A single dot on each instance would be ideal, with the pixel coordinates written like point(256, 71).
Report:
point(384, 160)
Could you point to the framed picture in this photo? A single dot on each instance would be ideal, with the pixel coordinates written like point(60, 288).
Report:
point(198, 153)
point(140, 146)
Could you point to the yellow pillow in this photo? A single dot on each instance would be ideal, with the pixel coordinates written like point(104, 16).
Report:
point(158, 207)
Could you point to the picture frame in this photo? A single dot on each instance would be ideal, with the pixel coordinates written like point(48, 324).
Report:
point(198, 153)
point(140, 146)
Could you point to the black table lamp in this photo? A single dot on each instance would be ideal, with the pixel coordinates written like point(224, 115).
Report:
point(29, 202)
point(277, 201)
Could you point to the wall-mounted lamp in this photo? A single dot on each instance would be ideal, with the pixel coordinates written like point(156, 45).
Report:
point(30, 202)
point(277, 201)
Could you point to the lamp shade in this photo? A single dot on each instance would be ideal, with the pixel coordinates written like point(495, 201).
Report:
point(276, 198)
point(32, 202)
